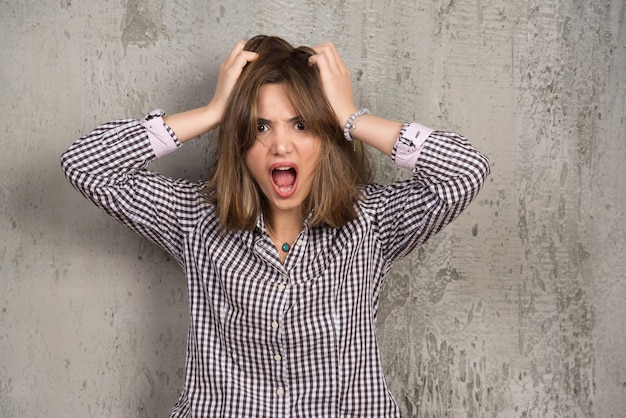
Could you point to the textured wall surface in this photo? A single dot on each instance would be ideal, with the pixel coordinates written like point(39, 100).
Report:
point(515, 310)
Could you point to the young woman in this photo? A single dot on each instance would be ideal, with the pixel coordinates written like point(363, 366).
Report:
point(286, 246)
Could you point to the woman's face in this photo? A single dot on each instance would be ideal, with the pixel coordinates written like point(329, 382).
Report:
point(285, 154)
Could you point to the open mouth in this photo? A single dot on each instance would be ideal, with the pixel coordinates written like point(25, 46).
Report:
point(284, 179)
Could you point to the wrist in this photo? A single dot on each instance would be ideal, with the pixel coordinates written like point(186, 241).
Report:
point(350, 126)
point(345, 115)
point(211, 115)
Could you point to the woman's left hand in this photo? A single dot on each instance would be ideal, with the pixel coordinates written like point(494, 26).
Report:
point(336, 81)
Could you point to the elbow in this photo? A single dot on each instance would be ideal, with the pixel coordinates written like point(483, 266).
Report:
point(70, 164)
point(482, 169)
point(66, 163)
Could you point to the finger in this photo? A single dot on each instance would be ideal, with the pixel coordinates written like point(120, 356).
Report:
point(243, 58)
point(234, 52)
point(237, 49)
point(329, 54)
point(238, 57)
point(230, 70)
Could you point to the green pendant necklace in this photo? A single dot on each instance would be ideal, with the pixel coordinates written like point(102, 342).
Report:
point(285, 247)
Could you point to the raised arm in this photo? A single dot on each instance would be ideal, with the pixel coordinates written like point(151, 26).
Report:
point(109, 165)
point(447, 170)
point(373, 130)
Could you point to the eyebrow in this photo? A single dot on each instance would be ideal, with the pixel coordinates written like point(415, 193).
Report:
point(269, 122)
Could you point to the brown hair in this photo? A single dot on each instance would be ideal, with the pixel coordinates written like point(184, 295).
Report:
point(343, 166)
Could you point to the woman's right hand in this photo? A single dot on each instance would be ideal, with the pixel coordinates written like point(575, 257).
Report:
point(230, 70)
point(195, 122)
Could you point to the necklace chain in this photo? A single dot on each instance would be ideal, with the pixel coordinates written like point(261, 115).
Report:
point(285, 247)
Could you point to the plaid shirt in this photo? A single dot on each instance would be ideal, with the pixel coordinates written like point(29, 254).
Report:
point(268, 339)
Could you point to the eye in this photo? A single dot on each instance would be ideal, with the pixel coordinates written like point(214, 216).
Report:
point(300, 126)
point(261, 127)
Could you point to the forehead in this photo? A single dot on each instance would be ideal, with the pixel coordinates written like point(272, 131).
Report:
point(274, 102)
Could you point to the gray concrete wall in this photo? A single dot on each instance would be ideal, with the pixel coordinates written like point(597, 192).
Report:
point(516, 310)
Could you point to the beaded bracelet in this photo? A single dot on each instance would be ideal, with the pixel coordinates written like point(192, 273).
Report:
point(351, 124)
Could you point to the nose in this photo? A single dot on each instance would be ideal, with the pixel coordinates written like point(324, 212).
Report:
point(281, 141)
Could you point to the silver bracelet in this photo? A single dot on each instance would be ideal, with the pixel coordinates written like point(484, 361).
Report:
point(351, 123)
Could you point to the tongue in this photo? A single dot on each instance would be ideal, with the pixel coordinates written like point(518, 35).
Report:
point(284, 178)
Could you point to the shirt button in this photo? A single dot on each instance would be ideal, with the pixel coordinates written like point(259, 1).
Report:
point(299, 243)
point(280, 391)
point(274, 324)
point(281, 287)
point(285, 277)
point(277, 357)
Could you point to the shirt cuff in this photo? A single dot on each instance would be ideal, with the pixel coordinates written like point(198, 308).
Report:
point(408, 147)
point(162, 137)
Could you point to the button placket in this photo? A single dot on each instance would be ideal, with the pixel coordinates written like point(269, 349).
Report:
point(277, 326)
point(283, 285)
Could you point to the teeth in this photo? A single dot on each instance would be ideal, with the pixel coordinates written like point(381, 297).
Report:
point(282, 168)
